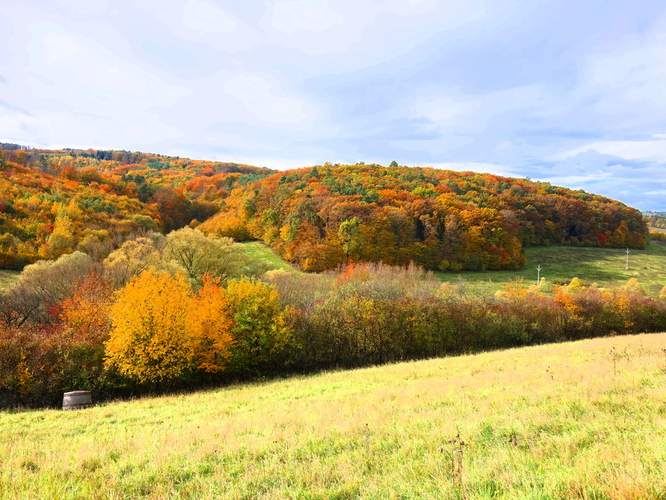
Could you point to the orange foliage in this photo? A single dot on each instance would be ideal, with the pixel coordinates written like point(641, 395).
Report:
point(86, 311)
point(211, 323)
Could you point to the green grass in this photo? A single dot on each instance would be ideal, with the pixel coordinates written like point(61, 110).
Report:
point(258, 252)
point(7, 278)
point(576, 420)
point(604, 266)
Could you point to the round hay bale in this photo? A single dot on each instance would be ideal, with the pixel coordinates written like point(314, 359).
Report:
point(76, 399)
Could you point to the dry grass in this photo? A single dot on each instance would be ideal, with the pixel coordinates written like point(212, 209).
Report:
point(7, 278)
point(554, 421)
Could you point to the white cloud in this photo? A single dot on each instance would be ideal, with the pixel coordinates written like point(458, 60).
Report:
point(631, 150)
point(290, 16)
point(451, 111)
point(59, 48)
point(206, 18)
point(264, 100)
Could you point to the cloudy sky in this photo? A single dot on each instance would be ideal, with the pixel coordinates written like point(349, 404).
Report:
point(570, 92)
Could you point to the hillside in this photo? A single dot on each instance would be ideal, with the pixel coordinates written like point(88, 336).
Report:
point(53, 202)
point(323, 216)
point(575, 420)
point(655, 219)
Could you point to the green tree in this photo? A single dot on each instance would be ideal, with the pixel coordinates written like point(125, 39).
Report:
point(260, 332)
point(199, 254)
point(349, 232)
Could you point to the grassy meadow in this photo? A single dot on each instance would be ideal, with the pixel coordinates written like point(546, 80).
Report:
point(603, 266)
point(7, 278)
point(575, 420)
point(259, 253)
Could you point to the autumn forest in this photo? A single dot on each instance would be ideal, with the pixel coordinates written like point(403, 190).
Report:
point(133, 278)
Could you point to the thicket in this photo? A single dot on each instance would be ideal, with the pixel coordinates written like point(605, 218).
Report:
point(163, 328)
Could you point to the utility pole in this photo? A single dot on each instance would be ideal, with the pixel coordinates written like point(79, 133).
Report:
point(626, 267)
point(538, 274)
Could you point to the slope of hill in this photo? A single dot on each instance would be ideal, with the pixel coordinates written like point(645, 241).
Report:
point(54, 202)
point(574, 420)
point(604, 266)
point(322, 216)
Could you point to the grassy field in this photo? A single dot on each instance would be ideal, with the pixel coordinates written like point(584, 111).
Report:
point(604, 266)
point(258, 252)
point(577, 420)
point(7, 278)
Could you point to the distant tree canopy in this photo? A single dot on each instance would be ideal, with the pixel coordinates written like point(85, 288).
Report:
point(56, 202)
point(323, 216)
point(655, 219)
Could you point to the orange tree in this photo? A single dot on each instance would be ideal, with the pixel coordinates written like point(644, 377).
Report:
point(210, 326)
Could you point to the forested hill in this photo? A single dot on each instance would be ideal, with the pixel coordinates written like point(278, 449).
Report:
point(322, 216)
point(54, 202)
point(655, 219)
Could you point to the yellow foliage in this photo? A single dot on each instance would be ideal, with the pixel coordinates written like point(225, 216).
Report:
point(633, 287)
point(261, 332)
point(160, 330)
point(575, 285)
point(149, 339)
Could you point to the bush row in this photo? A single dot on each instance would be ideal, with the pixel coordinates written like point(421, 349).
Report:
point(158, 333)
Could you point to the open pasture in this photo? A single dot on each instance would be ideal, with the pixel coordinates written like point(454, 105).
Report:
point(264, 255)
point(575, 420)
point(603, 266)
point(7, 278)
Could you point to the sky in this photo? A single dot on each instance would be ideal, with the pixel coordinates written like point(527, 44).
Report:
point(571, 93)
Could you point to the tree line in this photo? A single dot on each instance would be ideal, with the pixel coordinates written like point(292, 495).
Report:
point(185, 311)
point(54, 202)
point(324, 216)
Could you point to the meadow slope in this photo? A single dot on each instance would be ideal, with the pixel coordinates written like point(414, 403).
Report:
point(577, 420)
point(603, 266)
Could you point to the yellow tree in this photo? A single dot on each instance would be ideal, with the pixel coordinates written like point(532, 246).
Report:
point(149, 340)
point(62, 239)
